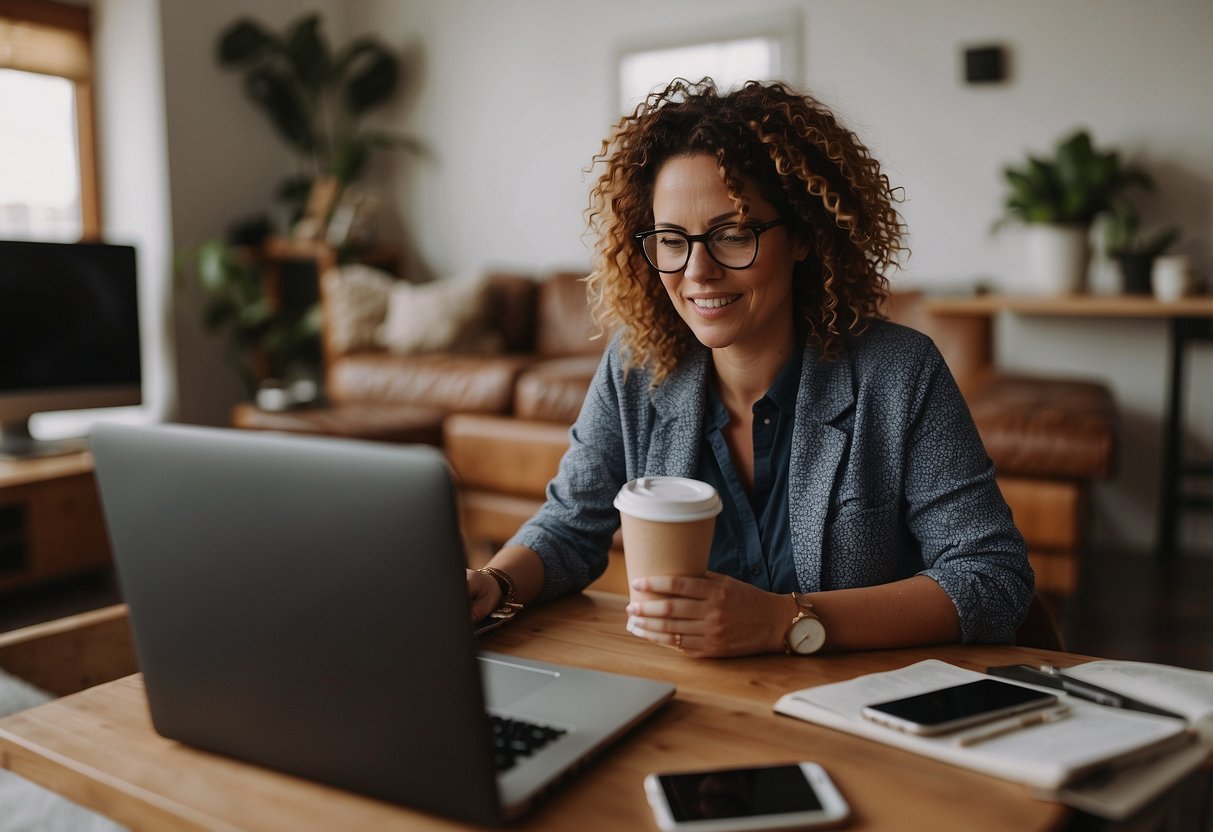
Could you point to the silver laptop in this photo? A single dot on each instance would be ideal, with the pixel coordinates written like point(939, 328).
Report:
point(301, 603)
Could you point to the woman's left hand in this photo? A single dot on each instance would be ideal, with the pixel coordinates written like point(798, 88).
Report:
point(710, 616)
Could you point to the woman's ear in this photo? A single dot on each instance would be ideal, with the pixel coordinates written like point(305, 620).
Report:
point(801, 249)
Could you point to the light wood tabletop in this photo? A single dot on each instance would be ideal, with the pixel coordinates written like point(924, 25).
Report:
point(98, 747)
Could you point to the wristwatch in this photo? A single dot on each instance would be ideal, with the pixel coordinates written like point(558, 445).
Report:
point(806, 634)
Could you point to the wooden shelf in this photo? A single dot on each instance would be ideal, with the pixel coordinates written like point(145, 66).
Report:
point(1083, 306)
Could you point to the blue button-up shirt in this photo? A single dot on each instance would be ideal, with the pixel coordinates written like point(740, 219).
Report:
point(753, 540)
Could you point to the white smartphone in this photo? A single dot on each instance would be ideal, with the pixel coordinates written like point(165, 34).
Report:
point(788, 796)
point(959, 706)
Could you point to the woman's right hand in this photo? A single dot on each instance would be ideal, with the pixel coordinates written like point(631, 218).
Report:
point(484, 593)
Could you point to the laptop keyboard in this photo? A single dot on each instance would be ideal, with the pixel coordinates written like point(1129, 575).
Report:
point(514, 739)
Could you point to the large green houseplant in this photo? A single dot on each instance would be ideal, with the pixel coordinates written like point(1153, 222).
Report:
point(1057, 199)
point(315, 98)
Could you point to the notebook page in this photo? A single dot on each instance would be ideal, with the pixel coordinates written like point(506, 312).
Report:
point(1188, 692)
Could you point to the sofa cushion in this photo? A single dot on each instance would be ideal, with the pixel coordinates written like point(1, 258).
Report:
point(447, 381)
point(511, 301)
point(1036, 426)
point(355, 305)
point(553, 390)
point(565, 325)
point(445, 315)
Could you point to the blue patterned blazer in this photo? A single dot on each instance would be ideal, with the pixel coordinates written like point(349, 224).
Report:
point(888, 477)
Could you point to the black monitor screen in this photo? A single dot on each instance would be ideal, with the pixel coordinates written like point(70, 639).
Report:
point(68, 316)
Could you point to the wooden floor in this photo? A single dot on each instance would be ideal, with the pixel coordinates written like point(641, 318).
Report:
point(1129, 607)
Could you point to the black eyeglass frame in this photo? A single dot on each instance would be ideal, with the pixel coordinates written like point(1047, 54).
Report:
point(759, 228)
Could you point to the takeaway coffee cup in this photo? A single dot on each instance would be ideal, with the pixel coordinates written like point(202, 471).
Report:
point(667, 526)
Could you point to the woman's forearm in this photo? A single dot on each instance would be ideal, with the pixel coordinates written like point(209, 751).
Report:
point(904, 613)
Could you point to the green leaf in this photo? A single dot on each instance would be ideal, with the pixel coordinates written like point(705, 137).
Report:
point(214, 267)
point(308, 53)
point(274, 92)
point(350, 160)
point(294, 189)
point(373, 81)
point(244, 42)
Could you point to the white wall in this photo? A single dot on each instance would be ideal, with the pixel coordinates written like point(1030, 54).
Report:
point(224, 163)
point(133, 167)
point(515, 97)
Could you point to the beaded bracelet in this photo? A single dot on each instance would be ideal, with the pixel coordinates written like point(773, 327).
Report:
point(509, 606)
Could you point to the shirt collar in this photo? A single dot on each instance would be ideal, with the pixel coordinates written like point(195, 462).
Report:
point(782, 392)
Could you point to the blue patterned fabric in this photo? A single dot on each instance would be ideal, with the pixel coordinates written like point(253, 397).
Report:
point(888, 477)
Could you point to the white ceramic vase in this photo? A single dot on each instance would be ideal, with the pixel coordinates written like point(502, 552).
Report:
point(1057, 258)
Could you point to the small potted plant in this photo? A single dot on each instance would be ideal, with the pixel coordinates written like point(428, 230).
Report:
point(1135, 252)
point(1057, 199)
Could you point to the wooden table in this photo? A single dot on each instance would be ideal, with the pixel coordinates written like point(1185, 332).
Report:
point(98, 748)
point(1189, 319)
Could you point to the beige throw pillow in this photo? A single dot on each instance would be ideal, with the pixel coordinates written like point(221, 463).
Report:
point(448, 315)
point(356, 300)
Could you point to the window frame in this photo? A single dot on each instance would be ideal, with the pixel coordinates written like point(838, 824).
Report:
point(782, 27)
point(77, 68)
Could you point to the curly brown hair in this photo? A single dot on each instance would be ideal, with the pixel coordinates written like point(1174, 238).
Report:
point(816, 173)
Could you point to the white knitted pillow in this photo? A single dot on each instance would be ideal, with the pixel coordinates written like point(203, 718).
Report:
point(448, 315)
point(355, 306)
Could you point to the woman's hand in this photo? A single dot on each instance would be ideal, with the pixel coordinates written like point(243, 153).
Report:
point(484, 593)
point(710, 616)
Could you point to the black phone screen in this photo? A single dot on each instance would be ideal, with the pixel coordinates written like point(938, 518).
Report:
point(961, 702)
point(739, 793)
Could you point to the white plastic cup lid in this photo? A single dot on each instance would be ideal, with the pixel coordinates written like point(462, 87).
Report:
point(668, 499)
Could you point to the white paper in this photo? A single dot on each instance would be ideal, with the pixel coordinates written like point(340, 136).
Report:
point(1188, 692)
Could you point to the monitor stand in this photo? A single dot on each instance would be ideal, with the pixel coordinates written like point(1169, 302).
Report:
point(16, 443)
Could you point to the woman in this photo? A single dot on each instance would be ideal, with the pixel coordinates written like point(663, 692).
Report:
point(742, 245)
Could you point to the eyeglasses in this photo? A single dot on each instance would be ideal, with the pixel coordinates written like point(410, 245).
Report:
point(731, 245)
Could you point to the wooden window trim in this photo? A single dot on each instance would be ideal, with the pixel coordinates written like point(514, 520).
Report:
point(76, 20)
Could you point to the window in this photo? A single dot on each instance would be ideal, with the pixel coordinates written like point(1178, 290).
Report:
point(48, 177)
point(760, 49)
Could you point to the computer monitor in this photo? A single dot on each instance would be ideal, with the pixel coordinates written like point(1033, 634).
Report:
point(69, 335)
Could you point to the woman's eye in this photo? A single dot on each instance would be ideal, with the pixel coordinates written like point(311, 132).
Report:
point(673, 242)
point(732, 238)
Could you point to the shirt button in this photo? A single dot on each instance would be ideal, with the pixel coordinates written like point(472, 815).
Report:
point(755, 571)
point(767, 420)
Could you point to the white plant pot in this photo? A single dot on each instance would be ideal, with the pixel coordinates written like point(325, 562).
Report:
point(1057, 258)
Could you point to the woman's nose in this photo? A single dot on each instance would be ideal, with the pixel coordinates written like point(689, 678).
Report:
point(700, 266)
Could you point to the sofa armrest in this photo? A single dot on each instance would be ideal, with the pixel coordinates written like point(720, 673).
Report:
point(508, 456)
point(1055, 428)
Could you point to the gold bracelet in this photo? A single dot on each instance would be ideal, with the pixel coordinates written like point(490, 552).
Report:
point(509, 606)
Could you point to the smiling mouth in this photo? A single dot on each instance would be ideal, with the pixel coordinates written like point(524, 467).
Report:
point(714, 303)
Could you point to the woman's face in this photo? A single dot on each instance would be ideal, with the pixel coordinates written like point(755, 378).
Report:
point(739, 309)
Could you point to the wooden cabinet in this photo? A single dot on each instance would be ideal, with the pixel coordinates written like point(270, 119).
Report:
point(51, 523)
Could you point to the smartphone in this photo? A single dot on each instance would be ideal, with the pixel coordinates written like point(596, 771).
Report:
point(788, 796)
point(956, 707)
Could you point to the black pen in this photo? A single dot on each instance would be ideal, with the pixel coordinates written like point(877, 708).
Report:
point(1102, 696)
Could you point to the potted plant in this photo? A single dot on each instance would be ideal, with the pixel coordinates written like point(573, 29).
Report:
point(1057, 199)
point(1134, 251)
point(315, 99)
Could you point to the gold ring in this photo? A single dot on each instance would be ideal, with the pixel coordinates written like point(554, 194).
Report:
point(678, 640)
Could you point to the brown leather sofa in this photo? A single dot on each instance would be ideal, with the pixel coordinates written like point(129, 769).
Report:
point(503, 419)
point(540, 374)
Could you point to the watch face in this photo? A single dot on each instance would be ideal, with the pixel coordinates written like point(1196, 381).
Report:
point(807, 635)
